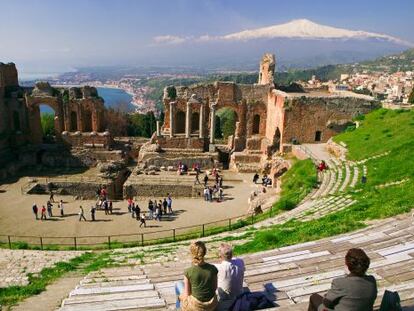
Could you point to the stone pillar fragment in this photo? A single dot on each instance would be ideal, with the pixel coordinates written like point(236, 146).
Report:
point(158, 129)
point(188, 121)
point(212, 122)
point(172, 123)
point(201, 125)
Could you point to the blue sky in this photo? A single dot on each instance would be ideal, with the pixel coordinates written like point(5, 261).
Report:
point(60, 34)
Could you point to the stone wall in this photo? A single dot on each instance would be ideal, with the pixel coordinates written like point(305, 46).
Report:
point(305, 116)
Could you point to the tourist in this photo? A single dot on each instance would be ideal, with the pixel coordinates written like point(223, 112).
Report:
point(93, 210)
point(137, 212)
point(142, 221)
point(43, 213)
point(110, 207)
point(61, 208)
point(157, 212)
point(206, 194)
point(49, 208)
point(52, 196)
point(356, 291)
point(221, 194)
point(165, 205)
point(106, 207)
point(322, 166)
point(230, 277)
point(35, 210)
point(133, 210)
point(98, 192)
point(81, 213)
point(210, 193)
point(198, 291)
point(104, 193)
point(205, 180)
point(150, 209)
point(255, 178)
point(160, 207)
point(169, 203)
point(197, 178)
point(129, 205)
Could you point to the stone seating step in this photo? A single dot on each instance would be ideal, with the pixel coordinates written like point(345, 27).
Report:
point(88, 279)
point(116, 283)
point(110, 290)
point(108, 297)
point(114, 305)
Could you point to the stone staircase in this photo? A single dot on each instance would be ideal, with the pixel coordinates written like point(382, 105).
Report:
point(287, 275)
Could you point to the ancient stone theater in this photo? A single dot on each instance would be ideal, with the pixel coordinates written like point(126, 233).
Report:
point(269, 120)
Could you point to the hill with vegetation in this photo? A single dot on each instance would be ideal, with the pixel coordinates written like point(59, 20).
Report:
point(388, 191)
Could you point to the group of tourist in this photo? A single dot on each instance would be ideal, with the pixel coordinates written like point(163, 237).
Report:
point(216, 191)
point(266, 181)
point(161, 207)
point(208, 287)
point(47, 211)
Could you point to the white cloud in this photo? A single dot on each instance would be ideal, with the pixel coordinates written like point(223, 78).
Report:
point(169, 39)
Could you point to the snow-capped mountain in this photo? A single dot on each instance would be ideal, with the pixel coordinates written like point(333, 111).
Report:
point(306, 29)
point(298, 43)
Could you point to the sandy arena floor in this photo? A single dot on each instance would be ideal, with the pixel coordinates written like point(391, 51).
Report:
point(16, 217)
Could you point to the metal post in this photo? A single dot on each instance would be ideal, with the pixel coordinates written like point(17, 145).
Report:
point(173, 234)
point(109, 242)
point(8, 238)
point(229, 224)
point(41, 243)
point(142, 239)
point(203, 231)
point(75, 244)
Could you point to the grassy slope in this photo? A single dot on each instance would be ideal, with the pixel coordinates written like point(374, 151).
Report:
point(296, 184)
point(381, 131)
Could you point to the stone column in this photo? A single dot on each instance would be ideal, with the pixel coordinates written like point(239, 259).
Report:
point(212, 122)
point(158, 129)
point(201, 125)
point(172, 123)
point(188, 121)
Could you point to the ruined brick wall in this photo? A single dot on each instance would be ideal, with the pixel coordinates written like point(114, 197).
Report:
point(305, 116)
point(267, 69)
point(8, 75)
point(274, 124)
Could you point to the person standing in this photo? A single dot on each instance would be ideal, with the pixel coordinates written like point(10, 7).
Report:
point(150, 209)
point(81, 214)
point(93, 210)
point(158, 212)
point(49, 208)
point(165, 205)
point(206, 194)
point(43, 213)
point(61, 208)
point(197, 178)
point(110, 207)
point(255, 178)
point(106, 207)
point(137, 211)
point(221, 194)
point(142, 221)
point(169, 203)
point(35, 210)
point(133, 210)
point(205, 180)
point(130, 205)
point(52, 196)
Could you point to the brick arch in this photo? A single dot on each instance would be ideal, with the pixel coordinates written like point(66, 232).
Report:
point(256, 119)
point(33, 105)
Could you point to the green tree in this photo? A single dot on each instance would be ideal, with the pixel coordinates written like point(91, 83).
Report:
point(142, 125)
point(411, 97)
point(228, 120)
point(47, 121)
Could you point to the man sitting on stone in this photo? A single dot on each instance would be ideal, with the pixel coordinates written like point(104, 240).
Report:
point(230, 277)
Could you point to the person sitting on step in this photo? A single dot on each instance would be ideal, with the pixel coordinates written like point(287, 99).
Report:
point(354, 292)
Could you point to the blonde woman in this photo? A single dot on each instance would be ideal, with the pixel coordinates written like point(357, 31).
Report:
point(198, 291)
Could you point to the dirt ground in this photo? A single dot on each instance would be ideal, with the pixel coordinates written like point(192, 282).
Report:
point(17, 218)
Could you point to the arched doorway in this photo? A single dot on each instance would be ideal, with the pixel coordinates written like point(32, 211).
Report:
point(87, 121)
point(195, 122)
point(48, 121)
point(226, 119)
point(256, 124)
point(73, 121)
point(180, 122)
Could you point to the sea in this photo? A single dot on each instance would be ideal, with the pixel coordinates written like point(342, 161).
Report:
point(113, 97)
